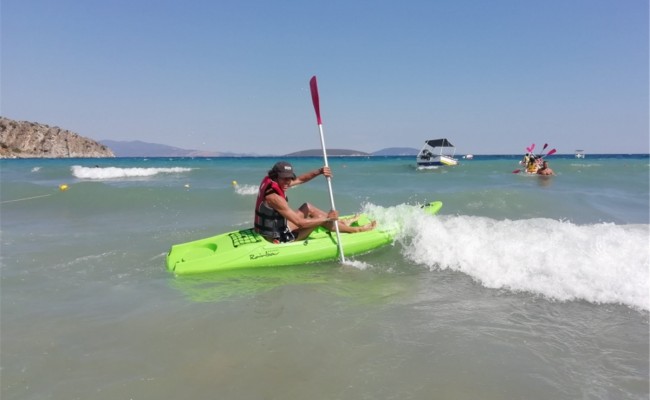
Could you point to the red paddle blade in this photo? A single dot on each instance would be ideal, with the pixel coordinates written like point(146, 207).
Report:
point(313, 86)
point(516, 171)
point(551, 152)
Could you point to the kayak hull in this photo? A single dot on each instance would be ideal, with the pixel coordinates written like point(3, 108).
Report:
point(247, 249)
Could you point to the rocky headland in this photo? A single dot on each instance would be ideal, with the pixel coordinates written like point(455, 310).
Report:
point(23, 139)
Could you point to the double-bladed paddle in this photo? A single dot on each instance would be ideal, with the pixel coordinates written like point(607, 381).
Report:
point(531, 148)
point(543, 148)
point(313, 86)
point(551, 152)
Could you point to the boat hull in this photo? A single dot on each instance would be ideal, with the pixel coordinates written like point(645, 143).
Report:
point(247, 249)
point(436, 152)
point(438, 161)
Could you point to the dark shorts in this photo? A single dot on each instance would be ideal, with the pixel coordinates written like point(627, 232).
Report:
point(285, 237)
point(288, 236)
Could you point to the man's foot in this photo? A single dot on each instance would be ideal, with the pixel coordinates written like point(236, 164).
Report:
point(367, 227)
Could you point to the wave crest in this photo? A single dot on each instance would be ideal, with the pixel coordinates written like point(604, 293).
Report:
point(98, 173)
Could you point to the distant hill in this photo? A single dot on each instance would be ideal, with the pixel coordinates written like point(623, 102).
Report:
point(137, 148)
point(391, 151)
point(330, 152)
point(29, 139)
point(397, 151)
point(24, 139)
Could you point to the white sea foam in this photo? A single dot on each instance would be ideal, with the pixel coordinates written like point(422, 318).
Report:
point(116, 173)
point(246, 190)
point(598, 263)
point(360, 265)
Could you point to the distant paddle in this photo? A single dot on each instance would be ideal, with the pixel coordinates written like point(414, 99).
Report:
point(550, 153)
point(313, 86)
point(543, 148)
point(542, 152)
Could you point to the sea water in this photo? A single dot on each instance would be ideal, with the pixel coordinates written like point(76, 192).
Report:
point(523, 287)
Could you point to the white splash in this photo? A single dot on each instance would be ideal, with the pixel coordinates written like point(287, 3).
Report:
point(356, 264)
point(246, 190)
point(598, 263)
point(116, 173)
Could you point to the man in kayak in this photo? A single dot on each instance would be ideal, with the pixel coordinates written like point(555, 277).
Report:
point(278, 222)
point(545, 170)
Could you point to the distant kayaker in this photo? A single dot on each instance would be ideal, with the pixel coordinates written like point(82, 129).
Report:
point(277, 221)
point(532, 164)
point(545, 169)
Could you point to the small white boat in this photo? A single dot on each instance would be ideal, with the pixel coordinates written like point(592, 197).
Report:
point(580, 154)
point(437, 152)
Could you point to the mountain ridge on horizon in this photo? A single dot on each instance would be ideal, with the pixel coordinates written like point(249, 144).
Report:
point(137, 148)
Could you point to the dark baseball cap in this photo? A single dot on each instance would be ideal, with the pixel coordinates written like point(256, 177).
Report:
point(283, 170)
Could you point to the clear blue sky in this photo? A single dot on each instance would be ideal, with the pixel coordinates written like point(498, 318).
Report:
point(491, 76)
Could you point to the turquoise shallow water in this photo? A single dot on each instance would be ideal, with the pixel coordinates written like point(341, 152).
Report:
point(522, 287)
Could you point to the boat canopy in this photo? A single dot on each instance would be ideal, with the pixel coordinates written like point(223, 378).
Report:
point(439, 143)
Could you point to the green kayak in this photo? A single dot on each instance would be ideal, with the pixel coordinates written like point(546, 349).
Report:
point(247, 249)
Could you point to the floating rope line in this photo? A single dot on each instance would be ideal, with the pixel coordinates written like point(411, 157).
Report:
point(26, 198)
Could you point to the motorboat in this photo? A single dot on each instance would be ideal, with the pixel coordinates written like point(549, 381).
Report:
point(580, 154)
point(436, 152)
